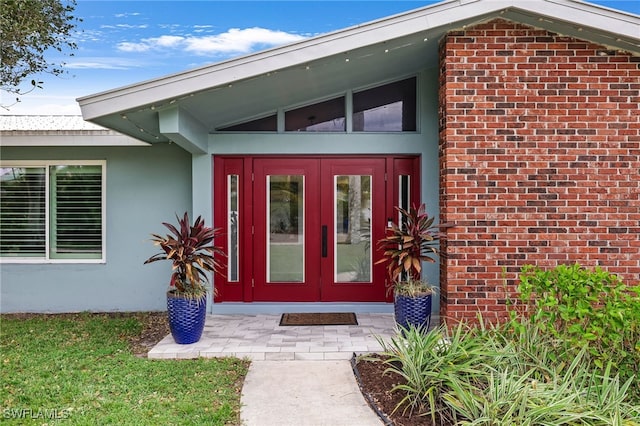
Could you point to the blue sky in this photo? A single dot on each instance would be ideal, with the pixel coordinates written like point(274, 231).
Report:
point(126, 42)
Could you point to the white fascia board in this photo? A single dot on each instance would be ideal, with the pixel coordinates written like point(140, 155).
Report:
point(69, 140)
point(171, 88)
point(584, 14)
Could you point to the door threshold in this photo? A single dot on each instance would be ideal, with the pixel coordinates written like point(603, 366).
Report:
point(274, 308)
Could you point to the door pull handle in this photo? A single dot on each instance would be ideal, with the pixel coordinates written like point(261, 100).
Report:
point(324, 240)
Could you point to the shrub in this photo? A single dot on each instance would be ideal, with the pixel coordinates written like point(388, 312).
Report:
point(435, 362)
point(584, 308)
point(515, 373)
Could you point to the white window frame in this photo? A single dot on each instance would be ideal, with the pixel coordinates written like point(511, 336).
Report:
point(46, 164)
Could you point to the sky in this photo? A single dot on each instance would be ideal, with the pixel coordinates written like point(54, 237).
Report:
point(127, 42)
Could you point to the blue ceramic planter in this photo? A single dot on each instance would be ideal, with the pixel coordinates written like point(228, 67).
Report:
point(186, 318)
point(414, 311)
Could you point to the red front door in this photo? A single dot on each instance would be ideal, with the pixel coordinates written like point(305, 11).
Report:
point(306, 227)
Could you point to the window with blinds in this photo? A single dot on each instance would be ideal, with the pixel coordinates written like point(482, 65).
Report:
point(53, 211)
point(22, 212)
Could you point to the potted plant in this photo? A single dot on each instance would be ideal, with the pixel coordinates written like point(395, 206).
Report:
point(191, 250)
point(407, 244)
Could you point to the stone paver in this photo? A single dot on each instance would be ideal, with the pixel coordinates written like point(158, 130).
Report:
point(260, 338)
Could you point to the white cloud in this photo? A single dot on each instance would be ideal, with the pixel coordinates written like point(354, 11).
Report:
point(131, 27)
point(234, 40)
point(103, 63)
point(134, 47)
point(125, 15)
point(169, 41)
point(94, 65)
point(239, 40)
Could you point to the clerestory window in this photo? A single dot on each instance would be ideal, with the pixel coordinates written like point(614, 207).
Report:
point(388, 108)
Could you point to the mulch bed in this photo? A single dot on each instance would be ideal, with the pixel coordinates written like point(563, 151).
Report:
point(376, 387)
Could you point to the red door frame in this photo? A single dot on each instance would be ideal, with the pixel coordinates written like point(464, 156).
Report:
point(243, 289)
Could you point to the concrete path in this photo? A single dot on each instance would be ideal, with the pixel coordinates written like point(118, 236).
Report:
point(304, 393)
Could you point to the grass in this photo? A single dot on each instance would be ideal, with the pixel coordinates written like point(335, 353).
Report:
point(79, 370)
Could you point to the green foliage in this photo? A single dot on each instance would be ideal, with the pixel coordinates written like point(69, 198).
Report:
point(81, 366)
point(407, 244)
point(191, 250)
point(433, 363)
point(593, 309)
point(30, 28)
point(413, 288)
point(507, 374)
point(535, 383)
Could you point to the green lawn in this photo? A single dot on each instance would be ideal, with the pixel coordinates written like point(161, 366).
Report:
point(80, 370)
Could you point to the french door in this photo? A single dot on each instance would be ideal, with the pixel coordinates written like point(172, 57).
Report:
point(304, 229)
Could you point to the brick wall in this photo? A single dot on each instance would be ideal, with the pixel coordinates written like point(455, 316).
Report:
point(540, 160)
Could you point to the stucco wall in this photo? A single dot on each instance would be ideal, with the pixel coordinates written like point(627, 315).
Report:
point(145, 186)
point(540, 159)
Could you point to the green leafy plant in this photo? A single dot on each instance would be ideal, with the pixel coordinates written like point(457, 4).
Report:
point(501, 374)
point(432, 364)
point(585, 308)
point(573, 396)
point(191, 250)
point(407, 244)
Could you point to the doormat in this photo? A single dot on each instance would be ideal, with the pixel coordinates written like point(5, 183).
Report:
point(324, 318)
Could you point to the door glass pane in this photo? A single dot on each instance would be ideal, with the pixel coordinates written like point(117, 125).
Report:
point(285, 247)
point(353, 228)
point(232, 225)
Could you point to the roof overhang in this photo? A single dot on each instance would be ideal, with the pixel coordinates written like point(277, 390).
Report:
point(58, 130)
point(249, 86)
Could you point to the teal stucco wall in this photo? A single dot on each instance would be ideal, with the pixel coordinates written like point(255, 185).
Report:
point(145, 186)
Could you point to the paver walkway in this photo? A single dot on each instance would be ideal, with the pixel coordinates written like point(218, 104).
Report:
point(302, 375)
point(261, 338)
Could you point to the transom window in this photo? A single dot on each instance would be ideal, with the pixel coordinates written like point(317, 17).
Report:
point(52, 211)
point(388, 108)
point(327, 116)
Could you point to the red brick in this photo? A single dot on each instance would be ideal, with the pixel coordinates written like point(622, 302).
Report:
point(557, 171)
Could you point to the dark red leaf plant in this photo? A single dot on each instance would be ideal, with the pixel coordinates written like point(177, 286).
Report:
point(415, 239)
point(193, 254)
